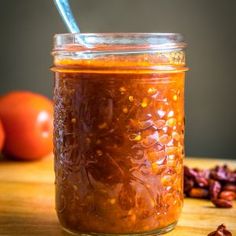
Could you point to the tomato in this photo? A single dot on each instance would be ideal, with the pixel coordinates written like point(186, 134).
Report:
point(2, 136)
point(28, 123)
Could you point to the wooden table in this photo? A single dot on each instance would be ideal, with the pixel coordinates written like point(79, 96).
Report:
point(27, 202)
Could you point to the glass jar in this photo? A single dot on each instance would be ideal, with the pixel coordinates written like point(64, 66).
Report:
point(119, 132)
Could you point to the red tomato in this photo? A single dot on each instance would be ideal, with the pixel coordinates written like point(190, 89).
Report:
point(2, 136)
point(28, 123)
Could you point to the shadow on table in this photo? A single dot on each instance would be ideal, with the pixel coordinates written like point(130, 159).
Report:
point(26, 225)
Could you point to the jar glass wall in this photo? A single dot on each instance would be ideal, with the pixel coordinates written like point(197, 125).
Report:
point(119, 132)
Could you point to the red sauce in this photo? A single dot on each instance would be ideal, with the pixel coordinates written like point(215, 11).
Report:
point(119, 146)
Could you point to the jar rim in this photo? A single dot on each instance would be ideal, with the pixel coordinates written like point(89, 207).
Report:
point(102, 42)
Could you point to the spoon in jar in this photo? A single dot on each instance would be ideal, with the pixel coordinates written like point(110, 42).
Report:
point(63, 7)
point(67, 16)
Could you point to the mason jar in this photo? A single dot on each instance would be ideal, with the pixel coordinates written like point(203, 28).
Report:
point(119, 132)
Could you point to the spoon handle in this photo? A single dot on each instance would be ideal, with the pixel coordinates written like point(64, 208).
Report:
point(67, 16)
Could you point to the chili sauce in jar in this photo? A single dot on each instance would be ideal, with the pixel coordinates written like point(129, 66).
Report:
point(119, 132)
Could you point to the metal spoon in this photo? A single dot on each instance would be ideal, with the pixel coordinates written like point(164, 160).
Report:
point(64, 9)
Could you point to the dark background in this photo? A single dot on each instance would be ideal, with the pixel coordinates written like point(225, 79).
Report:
point(209, 27)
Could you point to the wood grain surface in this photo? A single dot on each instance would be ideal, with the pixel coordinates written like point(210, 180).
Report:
point(27, 202)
